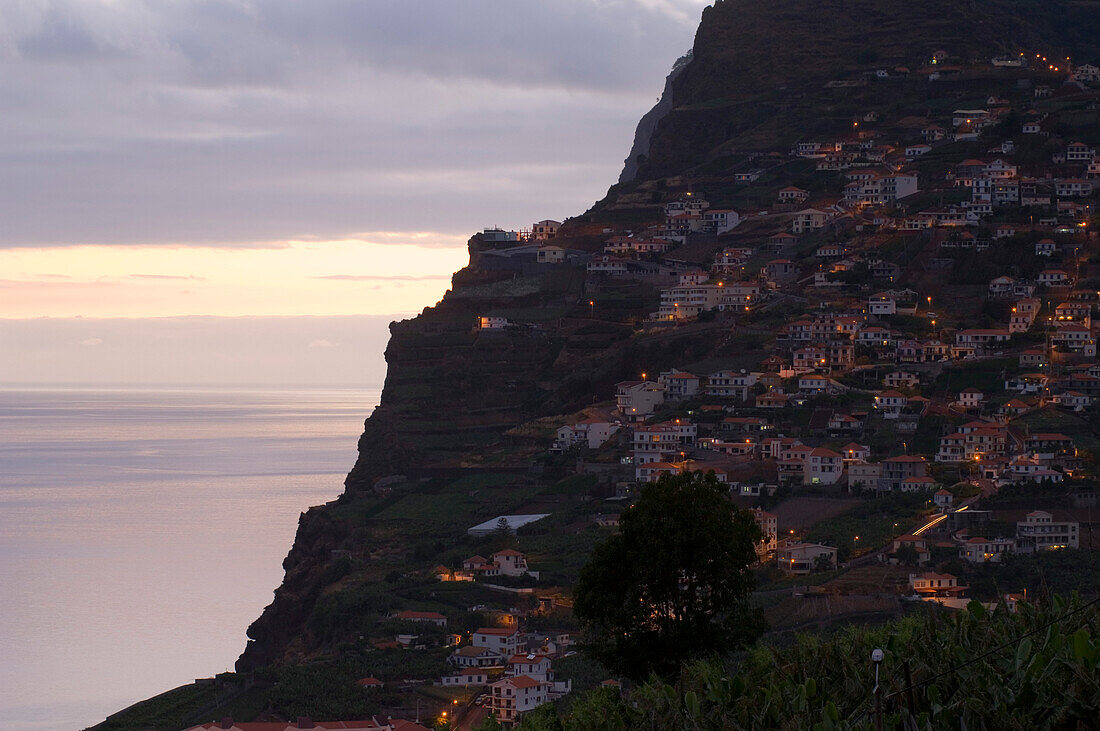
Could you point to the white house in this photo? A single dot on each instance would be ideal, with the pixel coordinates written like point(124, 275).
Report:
point(591, 433)
point(805, 558)
point(501, 641)
point(638, 399)
point(808, 220)
point(881, 304)
point(1038, 531)
point(986, 550)
point(823, 467)
point(466, 677)
point(512, 697)
point(679, 385)
point(512, 563)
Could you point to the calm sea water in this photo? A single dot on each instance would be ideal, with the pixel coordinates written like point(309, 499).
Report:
point(142, 531)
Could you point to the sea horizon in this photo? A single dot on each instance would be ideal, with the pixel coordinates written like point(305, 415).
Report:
point(143, 527)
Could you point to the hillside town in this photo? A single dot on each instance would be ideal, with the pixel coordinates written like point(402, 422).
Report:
point(882, 342)
point(921, 311)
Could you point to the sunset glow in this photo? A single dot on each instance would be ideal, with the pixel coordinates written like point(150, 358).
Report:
point(379, 273)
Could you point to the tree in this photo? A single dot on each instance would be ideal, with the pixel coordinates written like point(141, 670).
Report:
point(907, 555)
point(674, 583)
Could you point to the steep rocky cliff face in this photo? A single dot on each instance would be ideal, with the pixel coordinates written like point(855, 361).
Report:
point(758, 65)
point(758, 80)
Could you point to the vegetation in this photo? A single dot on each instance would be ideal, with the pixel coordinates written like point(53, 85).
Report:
point(971, 669)
point(675, 583)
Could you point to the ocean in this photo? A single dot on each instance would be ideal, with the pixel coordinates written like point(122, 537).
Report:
point(141, 531)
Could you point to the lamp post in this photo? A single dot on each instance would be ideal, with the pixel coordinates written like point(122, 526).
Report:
point(876, 658)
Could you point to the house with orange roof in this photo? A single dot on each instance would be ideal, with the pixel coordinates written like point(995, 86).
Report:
point(822, 467)
point(895, 470)
point(917, 543)
point(931, 585)
point(986, 550)
point(512, 697)
point(890, 403)
point(852, 452)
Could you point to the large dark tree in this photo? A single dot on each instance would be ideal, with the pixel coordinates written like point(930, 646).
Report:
point(675, 582)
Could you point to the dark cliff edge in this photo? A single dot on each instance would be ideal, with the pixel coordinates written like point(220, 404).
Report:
point(757, 79)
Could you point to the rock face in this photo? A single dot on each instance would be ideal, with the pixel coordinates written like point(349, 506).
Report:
point(757, 64)
point(639, 151)
point(758, 78)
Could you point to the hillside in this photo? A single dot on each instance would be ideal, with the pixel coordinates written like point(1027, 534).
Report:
point(852, 268)
point(760, 69)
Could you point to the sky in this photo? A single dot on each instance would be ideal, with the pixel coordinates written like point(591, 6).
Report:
point(169, 164)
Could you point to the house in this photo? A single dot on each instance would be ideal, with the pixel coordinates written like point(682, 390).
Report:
point(917, 543)
point(1045, 247)
point(813, 384)
point(532, 665)
point(512, 697)
point(971, 398)
point(793, 195)
point(473, 656)
point(512, 563)
point(779, 271)
point(550, 255)
point(852, 452)
point(897, 469)
point(679, 385)
point(1038, 531)
point(1053, 278)
point(931, 584)
point(431, 617)
point(805, 558)
point(466, 677)
point(608, 266)
point(503, 642)
point(1047, 445)
point(769, 532)
point(772, 400)
point(1073, 188)
point(822, 467)
point(890, 403)
point(638, 399)
point(943, 500)
point(545, 230)
point(720, 220)
point(730, 384)
point(901, 379)
point(881, 303)
point(1031, 128)
point(686, 302)
point(839, 422)
point(809, 219)
point(864, 475)
point(1033, 358)
point(492, 323)
point(1079, 152)
point(986, 550)
point(591, 433)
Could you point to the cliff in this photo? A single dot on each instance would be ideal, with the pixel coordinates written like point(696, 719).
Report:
point(458, 399)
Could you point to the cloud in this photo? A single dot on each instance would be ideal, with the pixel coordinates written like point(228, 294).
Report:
point(322, 343)
point(232, 122)
point(167, 276)
point(92, 341)
point(384, 277)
